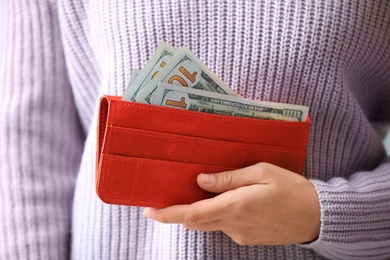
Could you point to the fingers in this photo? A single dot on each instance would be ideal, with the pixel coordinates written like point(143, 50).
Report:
point(230, 180)
point(217, 225)
point(199, 212)
point(169, 215)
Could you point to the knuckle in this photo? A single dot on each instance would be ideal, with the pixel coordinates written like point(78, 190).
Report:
point(262, 169)
point(190, 219)
point(227, 179)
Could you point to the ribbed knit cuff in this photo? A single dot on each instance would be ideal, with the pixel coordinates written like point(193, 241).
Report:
point(354, 218)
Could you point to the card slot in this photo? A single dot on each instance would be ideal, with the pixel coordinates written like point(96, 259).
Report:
point(147, 182)
point(188, 149)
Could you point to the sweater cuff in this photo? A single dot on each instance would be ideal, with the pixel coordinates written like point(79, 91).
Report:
point(353, 221)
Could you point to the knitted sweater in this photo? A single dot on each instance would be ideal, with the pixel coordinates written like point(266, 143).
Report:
point(58, 57)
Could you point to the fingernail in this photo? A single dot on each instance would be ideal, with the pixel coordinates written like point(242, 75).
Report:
point(207, 178)
point(147, 213)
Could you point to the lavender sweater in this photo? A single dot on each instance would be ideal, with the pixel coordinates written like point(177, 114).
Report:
point(58, 57)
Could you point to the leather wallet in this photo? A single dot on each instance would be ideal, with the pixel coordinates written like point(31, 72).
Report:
point(150, 155)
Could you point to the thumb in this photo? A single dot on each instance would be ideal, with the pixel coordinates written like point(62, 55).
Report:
point(228, 180)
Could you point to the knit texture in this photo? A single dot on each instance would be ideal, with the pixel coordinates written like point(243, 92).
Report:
point(58, 58)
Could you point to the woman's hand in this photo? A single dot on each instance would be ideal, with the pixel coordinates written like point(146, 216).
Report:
point(259, 205)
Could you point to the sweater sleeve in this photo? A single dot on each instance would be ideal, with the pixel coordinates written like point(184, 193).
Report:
point(40, 134)
point(355, 215)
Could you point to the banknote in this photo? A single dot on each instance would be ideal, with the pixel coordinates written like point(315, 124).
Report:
point(160, 57)
point(185, 69)
point(204, 101)
point(134, 75)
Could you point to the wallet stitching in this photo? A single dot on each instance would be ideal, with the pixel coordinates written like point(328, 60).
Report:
point(103, 175)
point(109, 137)
point(148, 202)
point(156, 161)
point(109, 158)
point(114, 108)
point(218, 142)
point(102, 129)
point(135, 180)
point(172, 148)
point(213, 116)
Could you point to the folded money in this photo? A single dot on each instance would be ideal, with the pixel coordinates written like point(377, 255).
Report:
point(130, 86)
point(185, 69)
point(179, 79)
point(158, 60)
point(203, 101)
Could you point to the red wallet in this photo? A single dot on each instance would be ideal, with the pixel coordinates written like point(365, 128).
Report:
point(150, 155)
